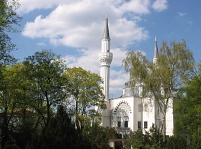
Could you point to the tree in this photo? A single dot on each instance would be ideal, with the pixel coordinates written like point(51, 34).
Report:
point(161, 79)
point(99, 136)
point(14, 99)
point(84, 88)
point(8, 103)
point(44, 70)
point(187, 111)
point(151, 139)
point(18, 118)
point(8, 18)
point(60, 134)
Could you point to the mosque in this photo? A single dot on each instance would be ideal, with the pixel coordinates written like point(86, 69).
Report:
point(129, 112)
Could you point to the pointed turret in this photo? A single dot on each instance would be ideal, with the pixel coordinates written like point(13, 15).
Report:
point(155, 49)
point(106, 31)
point(156, 53)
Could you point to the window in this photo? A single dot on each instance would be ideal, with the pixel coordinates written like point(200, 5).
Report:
point(125, 124)
point(118, 121)
point(145, 124)
point(145, 107)
point(119, 124)
point(139, 107)
point(139, 124)
point(126, 121)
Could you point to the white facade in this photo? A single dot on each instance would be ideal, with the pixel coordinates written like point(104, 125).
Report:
point(130, 111)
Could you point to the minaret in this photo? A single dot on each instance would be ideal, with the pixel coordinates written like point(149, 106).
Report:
point(155, 51)
point(105, 59)
point(157, 108)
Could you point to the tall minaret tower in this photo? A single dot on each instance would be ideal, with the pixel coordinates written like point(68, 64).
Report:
point(105, 59)
point(157, 108)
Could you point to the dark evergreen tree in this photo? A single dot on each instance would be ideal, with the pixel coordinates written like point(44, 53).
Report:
point(60, 134)
point(99, 136)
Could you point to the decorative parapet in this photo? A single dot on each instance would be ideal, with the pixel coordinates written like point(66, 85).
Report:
point(127, 92)
point(105, 58)
point(124, 105)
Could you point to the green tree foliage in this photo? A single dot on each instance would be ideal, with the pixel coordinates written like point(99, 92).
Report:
point(161, 79)
point(84, 88)
point(11, 98)
point(44, 70)
point(187, 111)
point(30, 94)
point(60, 134)
point(24, 131)
point(8, 18)
point(176, 142)
point(99, 136)
point(12, 146)
point(15, 105)
point(153, 139)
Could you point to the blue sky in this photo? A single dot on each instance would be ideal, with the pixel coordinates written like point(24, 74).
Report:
point(74, 28)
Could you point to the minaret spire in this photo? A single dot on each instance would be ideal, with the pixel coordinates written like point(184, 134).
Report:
point(106, 31)
point(155, 49)
point(156, 53)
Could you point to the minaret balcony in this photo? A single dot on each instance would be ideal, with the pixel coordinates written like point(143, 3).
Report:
point(105, 58)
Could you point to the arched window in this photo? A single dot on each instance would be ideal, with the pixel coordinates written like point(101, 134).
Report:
point(120, 116)
point(139, 107)
point(146, 107)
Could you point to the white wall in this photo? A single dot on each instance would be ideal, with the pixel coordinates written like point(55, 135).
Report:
point(148, 113)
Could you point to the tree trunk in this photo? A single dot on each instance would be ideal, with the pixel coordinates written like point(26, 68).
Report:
point(4, 129)
point(48, 108)
point(164, 125)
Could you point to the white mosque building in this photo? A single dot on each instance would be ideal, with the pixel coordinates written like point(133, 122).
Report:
point(129, 112)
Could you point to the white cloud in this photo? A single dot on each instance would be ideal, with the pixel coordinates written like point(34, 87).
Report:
point(30, 5)
point(181, 14)
point(41, 44)
point(160, 5)
point(87, 59)
point(117, 81)
point(118, 56)
point(80, 24)
point(136, 6)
